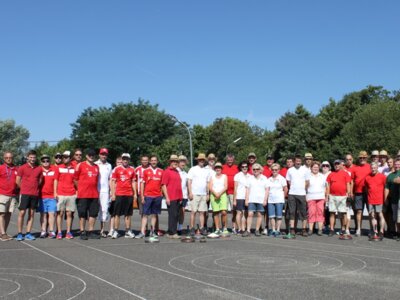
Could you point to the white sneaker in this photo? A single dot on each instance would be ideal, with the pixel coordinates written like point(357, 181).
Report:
point(265, 231)
point(213, 235)
point(114, 234)
point(129, 234)
point(110, 233)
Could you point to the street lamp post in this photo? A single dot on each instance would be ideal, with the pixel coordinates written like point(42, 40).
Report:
point(234, 142)
point(190, 137)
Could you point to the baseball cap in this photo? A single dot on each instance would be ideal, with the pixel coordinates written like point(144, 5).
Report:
point(363, 154)
point(251, 154)
point(218, 165)
point(338, 161)
point(66, 153)
point(45, 156)
point(103, 150)
point(127, 155)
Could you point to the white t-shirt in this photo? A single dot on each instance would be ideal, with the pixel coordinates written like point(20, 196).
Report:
point(184, 179)
point(257, 188)
point(105, 170)
point(316, 189)
point(200, 178)
point(242, 180)
point(276, 185)
point(297, 178)
point(218, 184)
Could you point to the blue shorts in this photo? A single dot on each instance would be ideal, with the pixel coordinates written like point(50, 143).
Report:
point(240, 205)
point(275, 210)
point(47, 205)
point(152, 205)
point(256, 207)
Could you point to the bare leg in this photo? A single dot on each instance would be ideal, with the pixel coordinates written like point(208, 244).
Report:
point(259, 220)
point(51, 221)
point(31, 215)
point(7, 218)
point(21, 217)
point(144, 224)
point(224, 218)
point(202, 219)
point(2, 223)
point(216, 220)
point(249, 220)
point(91, 223)
point(60, 216)
point(332, 221)
point(69, 221)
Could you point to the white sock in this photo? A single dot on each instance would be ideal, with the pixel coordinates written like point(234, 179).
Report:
point(179, 227)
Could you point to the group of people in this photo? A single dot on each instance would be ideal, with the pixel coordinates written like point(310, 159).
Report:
point(304, 191)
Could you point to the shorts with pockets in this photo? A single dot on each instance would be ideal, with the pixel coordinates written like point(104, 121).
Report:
point(88, 207)
point(28, 201)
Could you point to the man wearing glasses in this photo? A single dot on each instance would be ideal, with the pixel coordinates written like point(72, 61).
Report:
point(308, 159)
point(8, 201)
point(86, 182)
point(77, 158)
point(360, 197)
point(29, 178)
point(57, 159)
point(65, 193)
point(47, 201)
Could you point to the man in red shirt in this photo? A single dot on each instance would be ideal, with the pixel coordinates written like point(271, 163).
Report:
point(230, 170)
point(29, 178)
point(47, 202)
point(77, 158)
point(151, 195)
point(172, 190)
point(338, 189)
point(8, 201)
point(251, 160)
point(267, 172)
point(86, 182)
point(123, 192)
point(144, 164)
point(375, 188)
point(65, 193)
point(360, 197)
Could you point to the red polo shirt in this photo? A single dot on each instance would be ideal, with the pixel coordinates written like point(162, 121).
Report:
point(152, 182)
point(87, 176)
point(47, 187)
point(123, 180)
point(65, 176)
point(360, 172)
point(376, 188)
point(283, 172)
point(267, 171)
point(230, 172)
point(30, 178)
point(172, 180)
point(7, 180)
point(338, 183)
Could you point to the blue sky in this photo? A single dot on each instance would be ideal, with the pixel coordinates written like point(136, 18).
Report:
point(199, 60)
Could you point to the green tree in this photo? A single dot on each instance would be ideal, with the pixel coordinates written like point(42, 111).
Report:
point(135, 128)
point(14, 139)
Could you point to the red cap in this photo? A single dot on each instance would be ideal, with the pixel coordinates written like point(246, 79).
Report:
point(103, 150)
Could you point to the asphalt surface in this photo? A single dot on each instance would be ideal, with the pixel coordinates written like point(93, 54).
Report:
point(232, 268)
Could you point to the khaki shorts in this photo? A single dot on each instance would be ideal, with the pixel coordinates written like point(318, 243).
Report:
point(199, 203)
point(7, 203)
point(66, 203)
point(337, 204)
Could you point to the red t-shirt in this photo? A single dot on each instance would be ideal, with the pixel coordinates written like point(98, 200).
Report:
point(338, 182)
point(30, 178)
point(152, 182)
point(139, 176)
point(123, 180)
point(87, 176)
point(172, 180)
point(359, 174)
point(8, 174)
point(350, 170)
point(267, 172)
point(230, 172)
point(376, 187)
point(47, 187)
point(283, 172)
point(250, 168)
point(65, 176)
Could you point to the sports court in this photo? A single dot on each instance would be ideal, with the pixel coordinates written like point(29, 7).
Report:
point(233, 268)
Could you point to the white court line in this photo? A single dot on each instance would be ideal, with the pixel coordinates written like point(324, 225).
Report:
point(311, 249)
point(35, 276)
point(169, 272)
point(14, 291)
point(17, 249)
point(84, 271)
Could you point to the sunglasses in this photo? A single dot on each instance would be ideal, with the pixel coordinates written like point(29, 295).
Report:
point(244, 167)
point(362, 158)
point(275, 170)
point(45, 160)
point(325, 166)
point(256, 169)
point(57, 157)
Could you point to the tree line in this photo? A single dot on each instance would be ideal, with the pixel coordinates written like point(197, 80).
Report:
point(363, 120)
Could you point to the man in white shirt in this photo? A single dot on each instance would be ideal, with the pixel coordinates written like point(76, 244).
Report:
point(198, 178)
point(104, 188)
point(298, 179)
point(184, 180)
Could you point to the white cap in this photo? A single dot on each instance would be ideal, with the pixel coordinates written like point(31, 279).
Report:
point(126, 155)
point(66, 153)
